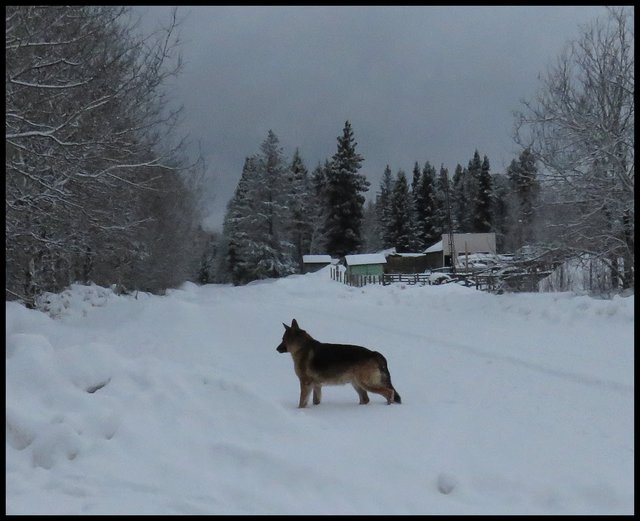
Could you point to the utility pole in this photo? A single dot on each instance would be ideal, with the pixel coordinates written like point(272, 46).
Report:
point(452, 250)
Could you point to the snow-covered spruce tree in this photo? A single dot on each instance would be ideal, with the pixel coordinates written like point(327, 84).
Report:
point(274, 250)
point(256, 220)
point(580, 127)
point(482, 201)
point(344, 190)
point(370, 233)
point(300, 201)
point(401, 219)
point(440, 202)
point(383, 209)
point(471, 183)
point(416, 180)
point(425, 209)
point(318, 209)
point(461, 204)
point(500, 211)
point(236, 228)
point(523, 200)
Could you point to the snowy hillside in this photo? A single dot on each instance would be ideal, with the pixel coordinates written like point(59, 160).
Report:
point(512, 404)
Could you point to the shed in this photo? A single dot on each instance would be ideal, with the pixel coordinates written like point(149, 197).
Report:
point(311, 263)
point(462, 243)
point(365, 264)
point(406, 262)
point(434, 257)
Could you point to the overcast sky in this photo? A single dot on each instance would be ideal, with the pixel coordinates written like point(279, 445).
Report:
point(417, 83)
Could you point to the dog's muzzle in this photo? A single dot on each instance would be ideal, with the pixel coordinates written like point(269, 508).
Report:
point(281, 348)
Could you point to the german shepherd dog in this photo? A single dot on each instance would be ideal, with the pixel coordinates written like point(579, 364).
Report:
point(318, 364)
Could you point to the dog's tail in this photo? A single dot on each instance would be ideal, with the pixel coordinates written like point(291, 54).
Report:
point(386, 376)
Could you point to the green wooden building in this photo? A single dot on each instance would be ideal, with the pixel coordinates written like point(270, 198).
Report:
point(365, 264)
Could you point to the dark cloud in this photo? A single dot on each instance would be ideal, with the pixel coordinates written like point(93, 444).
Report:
point(417, 83)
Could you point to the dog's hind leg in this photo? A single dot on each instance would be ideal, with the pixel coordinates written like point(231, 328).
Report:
point(364, 398)
point(387, 392)
point(317, 394)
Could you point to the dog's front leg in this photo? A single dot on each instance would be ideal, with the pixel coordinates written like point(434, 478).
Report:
point(305, 391)
point(317, 394)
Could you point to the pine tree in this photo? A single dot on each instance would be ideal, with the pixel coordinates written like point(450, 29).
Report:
point(370, 233)
point(482, 201)
point(319, 209)
point(471, 183)
point(418, 242)
point(383, 208)
point(528, 190)
point(415, 180)
point(523, 183)
point(272, 251)
point(299, 201)
point(344, 195)
point(460, 204)
point(442, 184)
point(425, 209)
point(255, 229)
point(237, 225)
point(500, 210)
point(401, 222)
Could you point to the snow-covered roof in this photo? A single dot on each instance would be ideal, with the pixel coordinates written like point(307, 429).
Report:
point(316, 259)
point(471, 242)
point(365, 258)
point(434, 247)
point(407, 254)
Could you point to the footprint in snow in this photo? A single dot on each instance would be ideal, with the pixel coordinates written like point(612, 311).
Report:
point(447, 483)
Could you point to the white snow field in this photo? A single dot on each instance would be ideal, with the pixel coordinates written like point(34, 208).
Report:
point(511, 404)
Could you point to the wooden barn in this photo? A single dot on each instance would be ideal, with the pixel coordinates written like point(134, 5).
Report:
point(312, 263)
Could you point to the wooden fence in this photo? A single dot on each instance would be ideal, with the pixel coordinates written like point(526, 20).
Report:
point(385, 279)
point(481, 279)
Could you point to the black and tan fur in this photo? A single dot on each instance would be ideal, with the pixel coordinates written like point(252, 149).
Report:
point(317, 364)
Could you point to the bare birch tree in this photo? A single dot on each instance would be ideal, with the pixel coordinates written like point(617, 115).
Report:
point(580, 127)
point(89, 136)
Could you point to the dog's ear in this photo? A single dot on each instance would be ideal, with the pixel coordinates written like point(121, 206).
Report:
point(287, 328)
point(294, 324)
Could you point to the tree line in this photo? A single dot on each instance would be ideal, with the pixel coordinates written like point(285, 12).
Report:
point(411, 216)
point(280, 212)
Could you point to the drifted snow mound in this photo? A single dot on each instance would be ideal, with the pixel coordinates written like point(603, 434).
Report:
point(77, 299)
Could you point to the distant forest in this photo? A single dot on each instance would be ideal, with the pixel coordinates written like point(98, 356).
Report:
point(99, 190)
